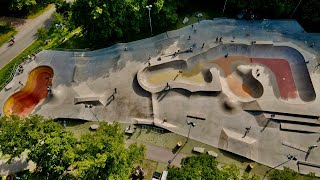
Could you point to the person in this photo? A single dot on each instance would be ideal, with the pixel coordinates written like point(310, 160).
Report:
point(226, 55)
point(192, 26)
point(217, 39)
point(195, 30)
point(189, 38)
point(194, 44)
point(149, 64)
point(220, 40)
point(190, 50)
point(202, 46)
point(115, 90)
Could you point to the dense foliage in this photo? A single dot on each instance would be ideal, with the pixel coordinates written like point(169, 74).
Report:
point(24, 7)
point(105, 21)
point(58, 155)
point(206, 167)
point(289, 174)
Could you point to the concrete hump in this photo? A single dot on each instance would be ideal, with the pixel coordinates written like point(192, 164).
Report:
point(236, 142)
point(96, 101)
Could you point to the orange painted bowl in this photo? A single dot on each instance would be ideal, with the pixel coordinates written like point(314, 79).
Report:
point(23, 102)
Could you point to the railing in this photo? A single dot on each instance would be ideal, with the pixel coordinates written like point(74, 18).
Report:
point(14, 70)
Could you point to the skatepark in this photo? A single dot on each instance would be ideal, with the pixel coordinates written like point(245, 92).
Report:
point(262, 77)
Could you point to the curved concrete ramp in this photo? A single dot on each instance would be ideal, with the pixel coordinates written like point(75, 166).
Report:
point(177, 74)
point(249, 81)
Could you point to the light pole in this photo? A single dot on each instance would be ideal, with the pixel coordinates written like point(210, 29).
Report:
point(149, 8)
point(309, 150)
point(191, 124)
point(290, 158)
point(224, 7)
point(295, 8)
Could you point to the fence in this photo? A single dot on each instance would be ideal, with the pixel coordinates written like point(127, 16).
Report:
point(14, 70)
point(152, 128)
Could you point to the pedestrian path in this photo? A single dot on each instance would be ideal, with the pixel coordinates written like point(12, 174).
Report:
point(26, 35)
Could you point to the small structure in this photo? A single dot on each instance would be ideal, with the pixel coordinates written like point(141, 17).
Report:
point(164, 175)
point(94, 127)
point(198, 149)
point(185, 20)
point(212, 153)
point(129, 130)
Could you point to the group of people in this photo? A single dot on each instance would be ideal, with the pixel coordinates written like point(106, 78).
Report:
point(219, 40)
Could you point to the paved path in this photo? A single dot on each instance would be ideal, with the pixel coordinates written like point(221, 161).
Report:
point(159, 154)
point(25, 36)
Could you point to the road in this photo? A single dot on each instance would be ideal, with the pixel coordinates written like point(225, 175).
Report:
point(26, 35)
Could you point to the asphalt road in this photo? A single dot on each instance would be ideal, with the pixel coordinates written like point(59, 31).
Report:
point(26, 35)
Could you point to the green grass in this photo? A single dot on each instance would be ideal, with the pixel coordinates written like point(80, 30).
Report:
point(149, 167)
point(4, 38)
point(193, 19)
point(38, 13)
point(5, 72)
point(74, 40)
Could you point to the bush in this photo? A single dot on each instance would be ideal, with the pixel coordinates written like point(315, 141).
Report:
point(4, 28)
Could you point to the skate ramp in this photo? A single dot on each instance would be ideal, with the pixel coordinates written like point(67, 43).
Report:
point(177, 74)
point(35, 90)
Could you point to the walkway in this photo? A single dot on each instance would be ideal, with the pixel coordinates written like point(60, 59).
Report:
point(160, 154)
point(25, 37)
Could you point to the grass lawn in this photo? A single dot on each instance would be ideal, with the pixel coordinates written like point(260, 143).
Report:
point(4, 38)
point(149, 167)
point(38, 13)
point(74, 40)
point(193, 19)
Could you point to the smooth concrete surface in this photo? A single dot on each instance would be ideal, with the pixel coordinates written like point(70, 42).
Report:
point(227, 114)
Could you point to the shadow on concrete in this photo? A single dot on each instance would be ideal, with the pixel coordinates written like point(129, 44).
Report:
point(138, 89)
point(14, 22)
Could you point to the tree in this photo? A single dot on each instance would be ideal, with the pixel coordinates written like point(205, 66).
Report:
point(98, 155)
point(44, 141)
point(205, 166)
point(102, 155)
point(105, 21)
point(285, 174)
point(42, 34)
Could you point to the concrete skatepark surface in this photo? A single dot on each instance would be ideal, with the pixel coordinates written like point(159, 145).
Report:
point(226, 94)
point(23, 102)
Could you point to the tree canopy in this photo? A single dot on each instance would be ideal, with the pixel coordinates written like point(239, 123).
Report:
point(205, 166)
point(105, 21)
point(289, 174)
point(97, 155)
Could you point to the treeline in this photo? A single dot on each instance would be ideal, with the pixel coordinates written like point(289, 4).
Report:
point(106, 22)
point(20, 8)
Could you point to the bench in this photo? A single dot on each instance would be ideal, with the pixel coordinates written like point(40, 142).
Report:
point(198, 149)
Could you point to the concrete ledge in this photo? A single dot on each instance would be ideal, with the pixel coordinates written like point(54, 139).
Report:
point(300, 128)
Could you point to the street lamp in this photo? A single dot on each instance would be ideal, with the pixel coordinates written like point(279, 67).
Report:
point(224, 7)
point(295, 8)
point(149, 8)
point(191, 124)
point(309, 151)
